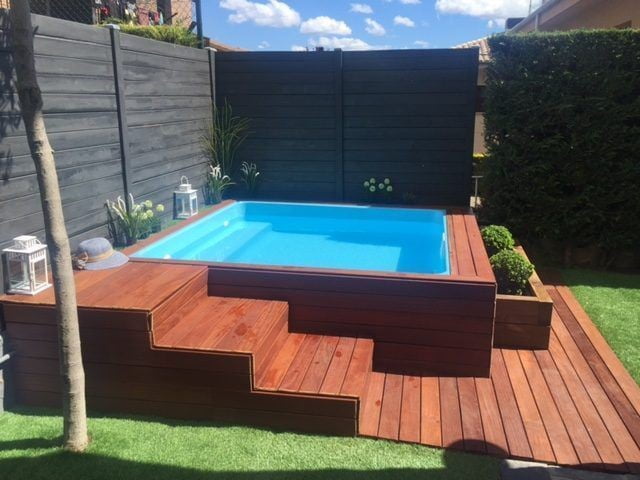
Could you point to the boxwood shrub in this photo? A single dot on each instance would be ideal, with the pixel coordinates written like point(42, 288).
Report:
point(563, 137)
point(512, 271)
point(497, 238)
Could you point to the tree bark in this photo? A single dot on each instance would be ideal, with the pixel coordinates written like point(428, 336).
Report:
point(30, 97)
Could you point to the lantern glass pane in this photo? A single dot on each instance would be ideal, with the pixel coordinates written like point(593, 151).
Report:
point(40, 272)
point(194, 204)
point(18, 272)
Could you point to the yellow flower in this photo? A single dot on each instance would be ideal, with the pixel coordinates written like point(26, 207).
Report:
point(159, 208)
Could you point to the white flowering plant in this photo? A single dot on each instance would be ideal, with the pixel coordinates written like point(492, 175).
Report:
point(129, 223)
point(376, 189)
point(250, 177)
point(216, 184)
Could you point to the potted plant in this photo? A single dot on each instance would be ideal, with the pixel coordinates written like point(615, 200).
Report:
point(523, 306)
point(128, 225)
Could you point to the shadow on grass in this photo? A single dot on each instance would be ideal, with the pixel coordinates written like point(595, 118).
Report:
point(25, 463)
point(64, 465)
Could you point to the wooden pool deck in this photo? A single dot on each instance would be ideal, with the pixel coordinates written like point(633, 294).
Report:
point(155, 342)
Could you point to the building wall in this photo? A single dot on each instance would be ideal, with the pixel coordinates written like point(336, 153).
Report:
point(572, 14)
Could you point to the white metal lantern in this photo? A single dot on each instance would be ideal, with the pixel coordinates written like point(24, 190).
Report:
point(27, 266)
point(185, 199)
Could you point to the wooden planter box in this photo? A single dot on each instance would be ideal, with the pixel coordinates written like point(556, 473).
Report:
point(524, 321)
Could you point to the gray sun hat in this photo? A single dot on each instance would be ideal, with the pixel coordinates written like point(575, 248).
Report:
point(98, 254)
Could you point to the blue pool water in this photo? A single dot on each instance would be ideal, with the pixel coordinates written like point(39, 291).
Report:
point(313, 235)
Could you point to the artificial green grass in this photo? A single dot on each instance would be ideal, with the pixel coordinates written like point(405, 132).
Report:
point(127, 448)
point(612, 300)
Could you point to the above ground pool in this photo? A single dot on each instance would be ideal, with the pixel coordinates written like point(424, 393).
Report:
point(340, 237)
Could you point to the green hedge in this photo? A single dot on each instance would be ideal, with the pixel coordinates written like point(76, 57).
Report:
point(175, 34)
point(563, 135)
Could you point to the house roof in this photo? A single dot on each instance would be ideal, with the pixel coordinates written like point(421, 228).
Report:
point(223, 47)
point(482, 44)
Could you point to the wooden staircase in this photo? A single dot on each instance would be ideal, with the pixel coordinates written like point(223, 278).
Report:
point(323, 377)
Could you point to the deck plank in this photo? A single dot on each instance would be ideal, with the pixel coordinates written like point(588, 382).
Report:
point(613, 363)
point(577, 340)
point(370, 417)
point(391, 406)
point(319, 365)
point(453, 255)
point(359, 368)
point(463, 249)
point(560, 441)
point(533, 425)
point(511, 419)
point(430, 425)
point(410, 410)
point(580, 438)
point(275, 371)
point(617, 428)
point(452, 435)
point(300, 364)
point(480, 259)
point(472, 430)
point(496, 441)
point(597, 429)
point(337, 370)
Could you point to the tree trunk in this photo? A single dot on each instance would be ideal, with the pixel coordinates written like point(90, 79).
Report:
point(71, 369)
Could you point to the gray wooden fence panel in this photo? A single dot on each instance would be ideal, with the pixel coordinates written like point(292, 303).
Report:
point(409, 116)
point(168, 97)
point(167, 100)
point(323, 122)
point(290, 99)
point(76, 77)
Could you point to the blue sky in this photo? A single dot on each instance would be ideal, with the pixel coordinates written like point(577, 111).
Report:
point(355, 25)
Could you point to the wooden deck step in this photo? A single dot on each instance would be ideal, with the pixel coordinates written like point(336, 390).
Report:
point(319, 364)
point(235, 325)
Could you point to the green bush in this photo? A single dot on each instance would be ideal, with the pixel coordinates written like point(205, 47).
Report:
point(497, 238)
point(176, 34)
point(512, 271)
point(563, 135)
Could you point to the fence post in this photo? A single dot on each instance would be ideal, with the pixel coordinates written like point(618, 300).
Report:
point(339, 126)
point(212, 79)
point(199, 30)
point(123, 130)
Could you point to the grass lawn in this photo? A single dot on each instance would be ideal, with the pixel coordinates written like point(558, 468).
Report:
point(126, 448)
point(612, 300)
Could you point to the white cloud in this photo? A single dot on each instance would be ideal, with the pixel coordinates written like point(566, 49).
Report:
point(485, 8)
point(264, 44)
point(410, 2)
point(345, 43)
point(361, 8)
point(422, 44)
point(374, 28)
point(298, 48)
point(272, 14)
point(325, 25)
point(404, 21)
